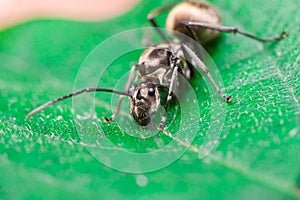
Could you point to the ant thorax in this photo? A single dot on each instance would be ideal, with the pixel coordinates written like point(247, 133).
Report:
point(156, 64)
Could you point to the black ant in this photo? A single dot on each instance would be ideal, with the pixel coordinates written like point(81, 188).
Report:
point(159, 65)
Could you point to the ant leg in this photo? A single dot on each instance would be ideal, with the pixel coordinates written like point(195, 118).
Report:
point(151, 17)
point(169, 98)
point(192, 33)
point(107, 120)
point(235, 30)
point(194, 36)
point(201, 66)
point(126, 88)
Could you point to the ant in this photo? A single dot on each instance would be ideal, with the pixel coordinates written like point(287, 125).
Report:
point(159, 65)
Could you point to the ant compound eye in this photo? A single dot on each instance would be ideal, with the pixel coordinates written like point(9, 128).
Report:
point(139, 95)
point(151, 91)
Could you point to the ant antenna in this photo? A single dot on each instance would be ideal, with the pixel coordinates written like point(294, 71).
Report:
point(42, 107)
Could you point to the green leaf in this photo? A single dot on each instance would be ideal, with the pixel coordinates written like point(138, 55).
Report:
point(257, 153)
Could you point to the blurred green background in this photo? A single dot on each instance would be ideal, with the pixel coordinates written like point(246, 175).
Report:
point(257, 156)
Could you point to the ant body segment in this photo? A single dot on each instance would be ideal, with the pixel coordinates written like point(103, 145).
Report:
point(159, 65)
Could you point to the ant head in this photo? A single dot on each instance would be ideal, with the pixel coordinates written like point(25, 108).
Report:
point(144, 101)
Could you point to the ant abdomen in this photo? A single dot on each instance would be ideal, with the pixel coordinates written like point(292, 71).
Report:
point(192, 11)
